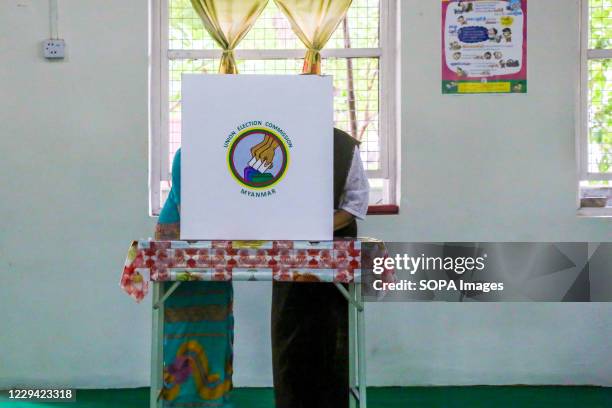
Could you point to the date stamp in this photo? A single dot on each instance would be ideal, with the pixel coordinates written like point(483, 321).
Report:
point(42, 394)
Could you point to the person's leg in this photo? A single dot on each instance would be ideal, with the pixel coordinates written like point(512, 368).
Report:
point(309, 346)
point(295, 352)
point(336, 387)
point(198, 344)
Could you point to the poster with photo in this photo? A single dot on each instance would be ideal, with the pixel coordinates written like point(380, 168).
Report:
point(484, 46)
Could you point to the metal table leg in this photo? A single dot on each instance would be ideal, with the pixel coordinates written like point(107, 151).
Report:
point(158, 303)
point(352, 337)
point(157, 341)
point(357, 365)
point(157, 345)
point(361, 363)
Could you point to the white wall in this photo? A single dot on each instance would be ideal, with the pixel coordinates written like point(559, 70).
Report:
point(74, 171)
point(73, 137)
point(490, 168)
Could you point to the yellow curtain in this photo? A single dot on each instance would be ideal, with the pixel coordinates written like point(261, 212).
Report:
point(227, 22)
point(314, 21)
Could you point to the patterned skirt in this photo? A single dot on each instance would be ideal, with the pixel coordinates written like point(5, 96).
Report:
point(198, 341)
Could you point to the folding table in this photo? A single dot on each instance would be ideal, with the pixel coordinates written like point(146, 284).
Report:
point(335, 262)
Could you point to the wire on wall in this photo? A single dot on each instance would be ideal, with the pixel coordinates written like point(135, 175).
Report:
point(53, 20)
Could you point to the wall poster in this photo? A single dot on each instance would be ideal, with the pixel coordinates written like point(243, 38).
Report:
point(484, 46)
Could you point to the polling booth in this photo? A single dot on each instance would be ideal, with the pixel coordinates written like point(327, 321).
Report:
point(255, 148)
point(255, 205)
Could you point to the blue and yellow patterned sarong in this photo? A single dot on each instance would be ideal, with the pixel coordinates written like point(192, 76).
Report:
point(198, 328)
point(198, 340)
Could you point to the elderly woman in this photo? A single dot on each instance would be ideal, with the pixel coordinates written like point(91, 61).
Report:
point(198, 327)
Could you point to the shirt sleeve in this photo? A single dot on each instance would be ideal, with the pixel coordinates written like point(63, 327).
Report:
point(356, 190)
point(176, 177)
point(170, 211)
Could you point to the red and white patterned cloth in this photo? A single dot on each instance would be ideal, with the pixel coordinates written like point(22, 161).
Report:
point(287, 261)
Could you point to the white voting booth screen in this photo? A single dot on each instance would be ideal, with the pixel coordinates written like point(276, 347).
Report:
point(257, 157)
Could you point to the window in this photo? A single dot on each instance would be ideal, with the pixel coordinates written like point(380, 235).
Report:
point(361, 56)
point(595, 133)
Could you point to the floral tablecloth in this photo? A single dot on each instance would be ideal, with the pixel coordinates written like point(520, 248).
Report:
point(286, 261)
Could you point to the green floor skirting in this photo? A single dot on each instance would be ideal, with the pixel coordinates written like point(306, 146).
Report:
point(401, 397)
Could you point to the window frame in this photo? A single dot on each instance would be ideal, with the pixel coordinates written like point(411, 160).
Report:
point(160, 54)
point(582, 113)
point(587, 54)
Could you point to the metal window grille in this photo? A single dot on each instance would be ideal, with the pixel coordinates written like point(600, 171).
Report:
point(359, 55)
point(596, 92)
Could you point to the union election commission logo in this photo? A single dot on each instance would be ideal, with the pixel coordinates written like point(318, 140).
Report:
point(258, 156)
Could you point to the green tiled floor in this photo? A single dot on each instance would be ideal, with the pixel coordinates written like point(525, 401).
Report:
point(406, 397)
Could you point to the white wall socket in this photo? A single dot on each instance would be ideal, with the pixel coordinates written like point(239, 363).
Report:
point(54, 49)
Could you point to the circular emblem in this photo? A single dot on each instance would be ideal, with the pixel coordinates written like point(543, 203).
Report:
point(257, 158)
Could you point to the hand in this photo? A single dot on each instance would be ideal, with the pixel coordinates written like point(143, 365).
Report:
point(168, 232)
point(267, 157)
point(342, 219)
point(263, 154)
point(259, 148)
